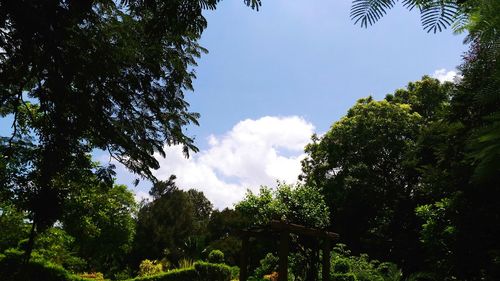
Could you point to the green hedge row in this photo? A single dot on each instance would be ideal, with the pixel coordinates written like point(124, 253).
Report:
point(201, 271)
point(12, 269)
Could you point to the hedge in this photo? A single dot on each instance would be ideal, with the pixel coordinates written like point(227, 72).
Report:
point(201, 271)
point(12, 269)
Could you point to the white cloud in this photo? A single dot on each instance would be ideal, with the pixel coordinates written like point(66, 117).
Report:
point(445, 76)
point(253, 153)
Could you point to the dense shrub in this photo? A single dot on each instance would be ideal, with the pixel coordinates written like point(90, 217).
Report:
point(268, 265)
point(12, 269)
point(94, 276)
point(361, 267)
point(213, 272)
point(216, 256)
point(183, 274)
point(147, 268)
point(341, 266)
point(201, 271)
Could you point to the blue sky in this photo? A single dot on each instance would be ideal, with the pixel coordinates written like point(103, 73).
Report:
point(307, 58)
point(273, 78)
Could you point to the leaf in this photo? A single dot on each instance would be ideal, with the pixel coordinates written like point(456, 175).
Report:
point(369, 11)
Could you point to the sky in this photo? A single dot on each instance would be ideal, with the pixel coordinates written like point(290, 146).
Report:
point(274, 77)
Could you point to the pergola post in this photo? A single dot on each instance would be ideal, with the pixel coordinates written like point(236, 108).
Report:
point(326, 260)
point(283, 256)
point(245, 240)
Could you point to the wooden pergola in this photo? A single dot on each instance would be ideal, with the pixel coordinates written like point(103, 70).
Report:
point(284, 229)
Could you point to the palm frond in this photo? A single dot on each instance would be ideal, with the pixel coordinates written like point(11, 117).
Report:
point(254, 4)
point(208, 4)
point(437, 15)
point(367, 12)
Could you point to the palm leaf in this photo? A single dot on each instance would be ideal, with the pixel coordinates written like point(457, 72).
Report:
point(367, 12)
point(255, 4)
point(437, 15)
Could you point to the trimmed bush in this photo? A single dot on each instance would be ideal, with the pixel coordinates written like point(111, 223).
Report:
point(216, 256)
point(213, 272)
point(12, 269)
point(202, 271)
point(183, 274)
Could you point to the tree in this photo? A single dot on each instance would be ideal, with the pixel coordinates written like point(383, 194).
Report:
point(84, 75)
point(299, 204)
point(171, 226)
point(364, 165)
point(13, 229)
point(460, 173)
point(101, 221)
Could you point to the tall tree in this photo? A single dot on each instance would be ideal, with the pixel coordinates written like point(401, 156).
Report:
point(101, 221)
point(171, 226)
point(81, 75)
point(365, 165)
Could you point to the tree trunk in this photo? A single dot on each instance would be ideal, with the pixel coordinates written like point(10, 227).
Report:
point(31, 243)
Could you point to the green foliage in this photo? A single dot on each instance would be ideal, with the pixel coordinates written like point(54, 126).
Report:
point(100, 219)
point(96, 276)
point(184, 274)
point(216, 256)
point(235, 272)
point(107, 75)
point(186, 263)
point(300, 204)
point(13, 228)
point(341, 266)
point(201, 271)
point(267, 265)
point(344, 277)
point(216, 272)
point(346, 266)
point(365, 168)
point(148, 268)
point(56, 246)
point(13, 269)
point(171, 226)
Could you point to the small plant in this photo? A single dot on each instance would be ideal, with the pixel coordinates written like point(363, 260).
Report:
point(148, 268)
point(216, 256)
point(271, 277)
point(186, 263)
point(98, 276)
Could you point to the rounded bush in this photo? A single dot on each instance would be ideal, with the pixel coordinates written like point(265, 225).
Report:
point(216, 256)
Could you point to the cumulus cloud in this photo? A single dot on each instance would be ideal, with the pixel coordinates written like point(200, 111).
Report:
point(253, 153)
point(445, 76)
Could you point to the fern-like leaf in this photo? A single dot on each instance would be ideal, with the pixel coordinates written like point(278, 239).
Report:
point(367, 12)
point(437, 15)
point(254, 4)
